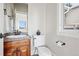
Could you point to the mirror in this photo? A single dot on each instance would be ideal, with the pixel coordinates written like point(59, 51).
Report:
point(16, 17)
point(21, 17)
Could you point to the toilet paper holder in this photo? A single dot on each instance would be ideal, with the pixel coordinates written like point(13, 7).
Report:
point(61, 43)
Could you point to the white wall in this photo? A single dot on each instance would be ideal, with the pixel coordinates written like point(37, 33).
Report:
point(71, 47)
point(44, 17)
point(36, 18)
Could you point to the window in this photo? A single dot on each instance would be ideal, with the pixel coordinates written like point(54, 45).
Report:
point(71, 16)
point(68, 19)
point(22, 24)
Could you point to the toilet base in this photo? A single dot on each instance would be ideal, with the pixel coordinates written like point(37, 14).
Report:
point(44, 51)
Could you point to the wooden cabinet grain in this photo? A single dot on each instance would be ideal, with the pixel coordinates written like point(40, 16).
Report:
point(17, 48)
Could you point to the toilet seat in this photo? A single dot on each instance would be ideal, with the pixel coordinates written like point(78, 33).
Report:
point(44, 51)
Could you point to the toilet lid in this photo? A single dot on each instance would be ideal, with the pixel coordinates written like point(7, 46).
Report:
point(44, 51)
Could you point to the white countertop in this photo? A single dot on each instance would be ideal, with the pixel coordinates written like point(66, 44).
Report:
point(16, 37)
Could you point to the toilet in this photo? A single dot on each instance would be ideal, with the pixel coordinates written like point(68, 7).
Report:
point(39, 44)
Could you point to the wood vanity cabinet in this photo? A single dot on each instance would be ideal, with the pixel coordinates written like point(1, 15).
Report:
point(17, 48)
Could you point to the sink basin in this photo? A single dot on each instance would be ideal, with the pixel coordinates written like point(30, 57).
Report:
point(16, 36)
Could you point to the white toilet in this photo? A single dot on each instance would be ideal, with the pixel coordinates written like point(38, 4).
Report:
point(39, 44)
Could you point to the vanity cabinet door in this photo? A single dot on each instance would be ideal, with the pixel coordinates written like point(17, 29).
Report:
point(7, 45)
point(24, 50)
point(17, 48)
point(9, 52)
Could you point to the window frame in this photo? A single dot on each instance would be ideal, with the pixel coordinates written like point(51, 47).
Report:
point(60, 24)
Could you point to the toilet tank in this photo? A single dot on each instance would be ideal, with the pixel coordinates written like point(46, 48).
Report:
point(39, 40)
